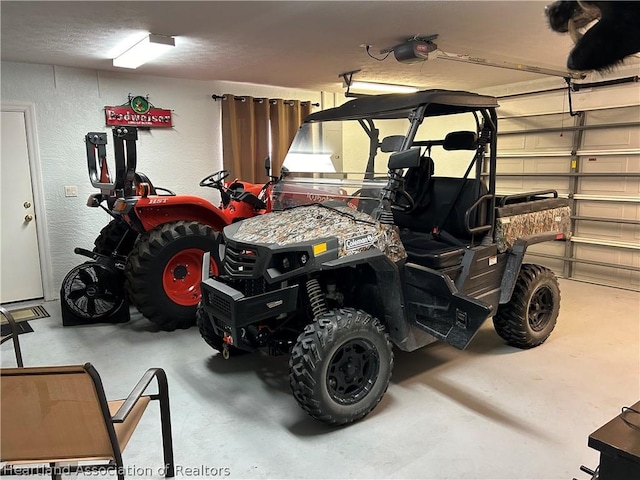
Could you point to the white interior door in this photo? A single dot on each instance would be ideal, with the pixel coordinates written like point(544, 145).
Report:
point(20, 272)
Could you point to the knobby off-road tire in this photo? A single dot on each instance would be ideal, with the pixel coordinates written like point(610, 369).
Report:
point(164, 271)
point(208, 333)
point(341, 365)
point(109, 237)
point(531, 314)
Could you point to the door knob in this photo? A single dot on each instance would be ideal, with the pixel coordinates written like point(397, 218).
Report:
point(26, 204)
point(28, 218)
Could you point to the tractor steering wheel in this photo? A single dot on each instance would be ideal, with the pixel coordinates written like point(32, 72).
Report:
point(411, 204)
point(215, 180)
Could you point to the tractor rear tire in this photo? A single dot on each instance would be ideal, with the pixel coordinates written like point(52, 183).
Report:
point(341, 365)
point(116, 232)
point(164, 271)
point(531, 314)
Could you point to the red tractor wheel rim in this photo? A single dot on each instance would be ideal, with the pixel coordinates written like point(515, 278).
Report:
point(182, 276)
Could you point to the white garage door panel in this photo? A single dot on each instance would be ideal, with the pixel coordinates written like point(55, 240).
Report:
point(533, 122)
point(535, 142)
point(607, 231)
point(610, 185)
point(531, 184)
point(607, 275)
point(510, 184)
point(611, 138)
point(611, 163)
point(547, 248)
point(511, 143)
point(553, 264)
point(510, 165)
point(613, 210)
point(549, 141)
point(534, 165)
point(614, 115)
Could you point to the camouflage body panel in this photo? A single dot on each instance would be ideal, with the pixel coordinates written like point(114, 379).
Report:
point(513, 227)
point(356, 231)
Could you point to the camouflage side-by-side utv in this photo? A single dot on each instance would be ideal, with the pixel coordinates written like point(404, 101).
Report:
point(387, 231)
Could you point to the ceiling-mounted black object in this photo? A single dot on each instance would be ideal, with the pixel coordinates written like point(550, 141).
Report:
point(414, 50)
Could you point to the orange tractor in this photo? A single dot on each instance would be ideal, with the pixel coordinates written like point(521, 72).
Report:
point(150, 253)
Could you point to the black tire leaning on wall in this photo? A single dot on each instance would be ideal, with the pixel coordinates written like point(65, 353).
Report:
point(341, 365)
point(163, 272)
point(531, 314)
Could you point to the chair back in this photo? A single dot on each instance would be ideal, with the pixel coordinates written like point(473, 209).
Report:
point(53, 413)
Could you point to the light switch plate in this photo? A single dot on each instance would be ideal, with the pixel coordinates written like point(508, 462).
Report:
point(71, 191)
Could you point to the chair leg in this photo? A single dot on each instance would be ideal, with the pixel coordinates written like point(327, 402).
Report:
point(165, 421)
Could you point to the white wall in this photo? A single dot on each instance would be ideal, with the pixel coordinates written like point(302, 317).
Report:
point(69, 102)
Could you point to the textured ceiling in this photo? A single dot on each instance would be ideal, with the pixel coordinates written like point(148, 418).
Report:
point(299, 44)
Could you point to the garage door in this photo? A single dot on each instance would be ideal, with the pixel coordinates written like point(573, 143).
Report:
point(594, 160)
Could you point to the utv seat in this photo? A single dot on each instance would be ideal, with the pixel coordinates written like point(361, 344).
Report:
point(416, 184)
point(447, 248)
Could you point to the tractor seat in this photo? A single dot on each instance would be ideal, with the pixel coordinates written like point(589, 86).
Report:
point(142, 178)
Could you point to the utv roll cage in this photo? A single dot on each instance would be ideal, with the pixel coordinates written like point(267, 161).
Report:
point(417, 106)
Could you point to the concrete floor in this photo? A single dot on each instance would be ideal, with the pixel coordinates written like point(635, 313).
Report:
point(489, 412)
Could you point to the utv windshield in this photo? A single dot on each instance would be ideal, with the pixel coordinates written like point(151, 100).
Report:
point(345, 161)
point(342, 162)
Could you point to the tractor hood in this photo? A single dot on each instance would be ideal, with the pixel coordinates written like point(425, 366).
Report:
point(355, 231)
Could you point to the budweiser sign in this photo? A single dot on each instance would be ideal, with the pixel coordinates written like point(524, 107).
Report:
point(138, 113)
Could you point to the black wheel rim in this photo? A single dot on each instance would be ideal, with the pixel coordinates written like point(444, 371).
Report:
point(352, 371)
point(540, 308)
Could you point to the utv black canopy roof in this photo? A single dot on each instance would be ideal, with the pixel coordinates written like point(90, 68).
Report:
point(440, 102)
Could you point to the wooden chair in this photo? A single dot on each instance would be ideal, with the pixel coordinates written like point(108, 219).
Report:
point(54, 415)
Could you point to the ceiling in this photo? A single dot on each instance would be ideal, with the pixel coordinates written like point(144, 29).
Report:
point(297, 44)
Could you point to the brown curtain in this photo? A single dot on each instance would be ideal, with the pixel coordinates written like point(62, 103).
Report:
point(246, 122)
point(245, 137)
point(286, 117)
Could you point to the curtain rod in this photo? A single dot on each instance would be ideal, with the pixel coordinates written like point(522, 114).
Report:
point(260, 100)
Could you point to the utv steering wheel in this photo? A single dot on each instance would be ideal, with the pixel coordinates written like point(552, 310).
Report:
point(215, 180)
point(411, 204)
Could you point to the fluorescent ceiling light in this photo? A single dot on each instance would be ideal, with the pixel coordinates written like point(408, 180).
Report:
point(381, 87)
point(150, 47)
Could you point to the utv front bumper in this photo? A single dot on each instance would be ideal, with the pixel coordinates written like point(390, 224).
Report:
point(231, 311)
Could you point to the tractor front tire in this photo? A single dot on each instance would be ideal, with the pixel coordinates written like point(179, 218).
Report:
point(531, 314)
point(341, 365)
point(164, 271)
point(117, 234)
